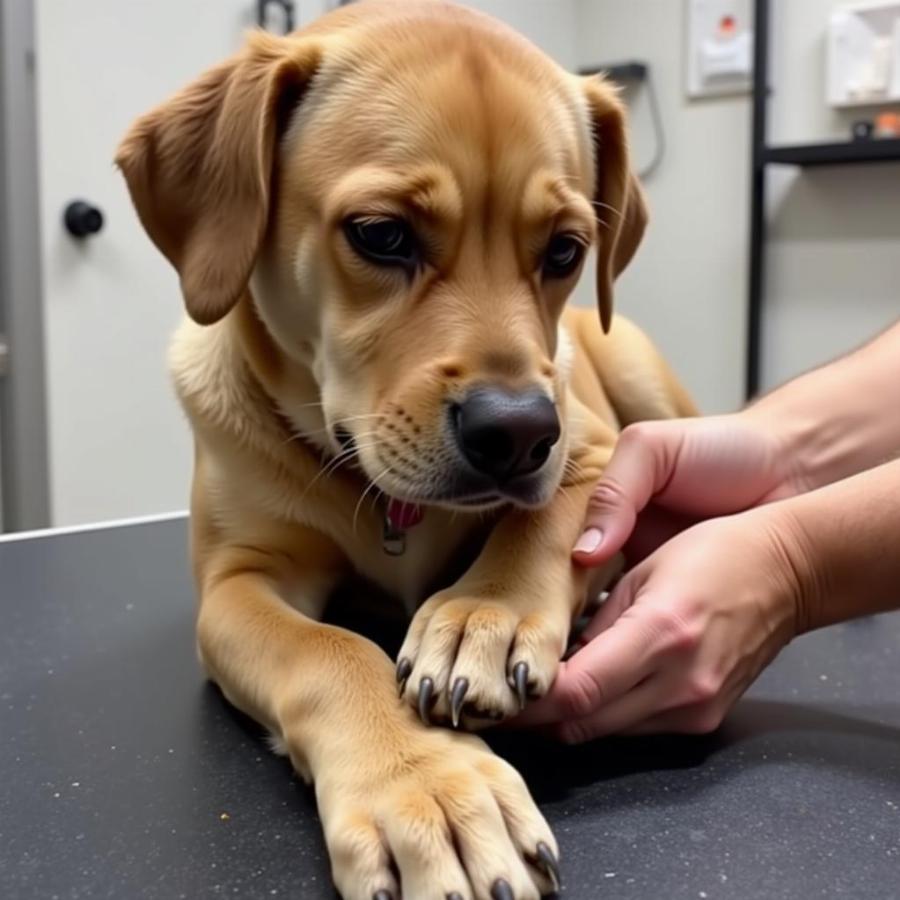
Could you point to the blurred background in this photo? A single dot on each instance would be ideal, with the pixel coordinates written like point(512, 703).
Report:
point(774, 242)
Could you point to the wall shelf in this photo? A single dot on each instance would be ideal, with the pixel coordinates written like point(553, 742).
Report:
point(875, 150)
point(843, 153)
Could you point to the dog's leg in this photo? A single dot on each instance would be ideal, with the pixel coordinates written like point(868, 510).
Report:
point(480, 648)
point(394, 796)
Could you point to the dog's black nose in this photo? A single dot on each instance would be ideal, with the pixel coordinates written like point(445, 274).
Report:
point(506, 435)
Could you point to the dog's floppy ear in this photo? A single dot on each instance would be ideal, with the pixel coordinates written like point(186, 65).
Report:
point(618, 198)
point(199, 168)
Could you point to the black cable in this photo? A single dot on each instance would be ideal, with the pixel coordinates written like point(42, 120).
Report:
point(629, 75)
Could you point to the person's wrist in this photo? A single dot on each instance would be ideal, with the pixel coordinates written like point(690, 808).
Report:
point(799, 578)
point(825, 432)
point(790, 434)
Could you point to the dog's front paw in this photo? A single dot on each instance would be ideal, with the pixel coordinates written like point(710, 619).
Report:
point(433, 815)
point(479, 660)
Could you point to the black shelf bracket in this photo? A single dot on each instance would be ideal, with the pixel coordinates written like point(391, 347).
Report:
point(877, 150)
point(839, 154)
point(757, 196)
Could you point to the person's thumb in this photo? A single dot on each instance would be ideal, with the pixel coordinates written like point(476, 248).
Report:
point(641, 465)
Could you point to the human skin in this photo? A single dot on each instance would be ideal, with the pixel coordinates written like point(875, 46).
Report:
point(742, 531)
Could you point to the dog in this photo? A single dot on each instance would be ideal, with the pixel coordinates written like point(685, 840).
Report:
point(376, 222)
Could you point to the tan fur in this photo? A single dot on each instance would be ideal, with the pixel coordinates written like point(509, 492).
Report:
point(439, 115)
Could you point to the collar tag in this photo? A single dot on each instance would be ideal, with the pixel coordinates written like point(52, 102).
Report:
point(398, 517)
point(393, 539)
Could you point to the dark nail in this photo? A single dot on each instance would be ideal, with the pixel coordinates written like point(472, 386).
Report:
point(549, 864)
point(457, 698)
point(404, 670)
point(520, 677)
point(502, 891)
point(456, 895)
point(382, 895)
point(426, 689)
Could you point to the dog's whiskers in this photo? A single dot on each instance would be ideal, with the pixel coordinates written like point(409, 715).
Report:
point(373, 483)
point(300, 435)
point(612, 209)
point(378, 495)
point(573, 471)
point(318, 403)
point(343, 457)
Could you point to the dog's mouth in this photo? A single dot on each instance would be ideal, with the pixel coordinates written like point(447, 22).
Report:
point(481, 500)
point(478, 500)
point(405, 513)
point(457, 491)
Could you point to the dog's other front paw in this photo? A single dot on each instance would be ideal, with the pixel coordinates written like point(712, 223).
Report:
point(478, 661)
point(433, 815)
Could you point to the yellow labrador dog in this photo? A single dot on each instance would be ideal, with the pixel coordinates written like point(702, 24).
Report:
point(376, 222)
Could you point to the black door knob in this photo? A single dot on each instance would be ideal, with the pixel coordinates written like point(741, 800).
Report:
point(82, 219)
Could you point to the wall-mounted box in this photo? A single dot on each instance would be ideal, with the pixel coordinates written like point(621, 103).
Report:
point(719, 47)
point(863, 56)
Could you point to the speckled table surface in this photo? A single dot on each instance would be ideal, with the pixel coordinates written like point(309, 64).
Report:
point(124, 775)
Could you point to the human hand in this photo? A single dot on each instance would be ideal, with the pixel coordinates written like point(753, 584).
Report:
point(667, 475)
point(682, 635)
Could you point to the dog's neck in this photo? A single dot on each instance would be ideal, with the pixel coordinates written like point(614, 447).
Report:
point(292, 387)
point(296, 401)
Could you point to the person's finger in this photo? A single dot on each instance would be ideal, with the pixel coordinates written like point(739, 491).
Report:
point(597, 674)
point(694, 719)
point(641, 465)
point(630, 710)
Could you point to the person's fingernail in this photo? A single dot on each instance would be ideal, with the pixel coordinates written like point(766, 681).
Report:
point(589, 541)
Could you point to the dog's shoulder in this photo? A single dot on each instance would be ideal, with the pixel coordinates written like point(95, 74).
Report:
point(214, 383)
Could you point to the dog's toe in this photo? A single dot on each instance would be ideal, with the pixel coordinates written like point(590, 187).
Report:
point(477, 661)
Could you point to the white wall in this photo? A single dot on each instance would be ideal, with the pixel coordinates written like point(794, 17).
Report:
point(552, 24)
point(834, 253)
point(834, 235)
point(687, 284)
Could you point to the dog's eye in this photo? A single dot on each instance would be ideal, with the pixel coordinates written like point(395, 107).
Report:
point(386, 242)
point(563, 255)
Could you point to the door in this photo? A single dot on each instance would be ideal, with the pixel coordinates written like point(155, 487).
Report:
point(118, 443)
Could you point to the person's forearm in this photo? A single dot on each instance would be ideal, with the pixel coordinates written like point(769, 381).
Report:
point(842, 543)
point(841, 419)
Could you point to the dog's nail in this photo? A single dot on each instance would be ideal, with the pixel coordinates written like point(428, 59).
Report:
point(456, 895)
point(502, 891)
point(382, 895)
point(457, 698)
point(520, 677)
point(426, 689)
point(549, 864)
point(404, 670)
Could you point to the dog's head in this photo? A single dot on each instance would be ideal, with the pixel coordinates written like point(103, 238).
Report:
point(407, 190)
